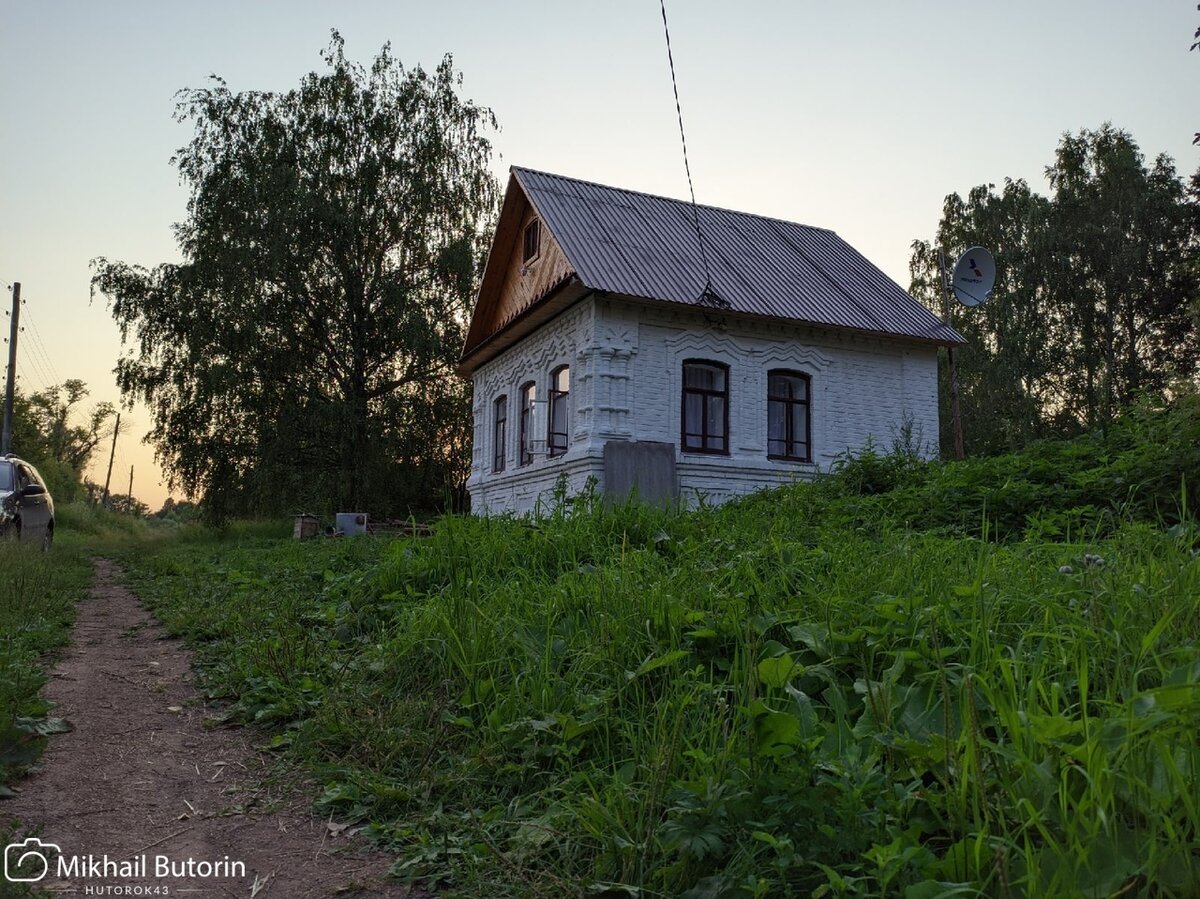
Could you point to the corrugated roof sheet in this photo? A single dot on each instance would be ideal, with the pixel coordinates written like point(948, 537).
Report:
point(621, 241)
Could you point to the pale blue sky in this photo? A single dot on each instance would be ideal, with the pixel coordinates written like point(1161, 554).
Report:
point(858, 117)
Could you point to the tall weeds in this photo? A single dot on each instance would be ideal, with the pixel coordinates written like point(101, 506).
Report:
point(814, 691)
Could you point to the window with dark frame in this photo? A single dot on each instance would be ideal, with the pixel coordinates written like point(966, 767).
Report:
point(560, 394)
point(528, 396)
point(533, 241)
point(499, 432)
point(705, 413)
point(789, 420)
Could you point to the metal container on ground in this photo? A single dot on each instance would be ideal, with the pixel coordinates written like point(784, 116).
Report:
point(352, 524)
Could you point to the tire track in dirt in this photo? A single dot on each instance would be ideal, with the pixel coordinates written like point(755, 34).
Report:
point(141, 776)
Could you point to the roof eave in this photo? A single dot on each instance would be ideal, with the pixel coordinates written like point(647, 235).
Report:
point(821, 326)
point(560, 297)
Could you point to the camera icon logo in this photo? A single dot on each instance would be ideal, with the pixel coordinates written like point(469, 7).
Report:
point(30, 855)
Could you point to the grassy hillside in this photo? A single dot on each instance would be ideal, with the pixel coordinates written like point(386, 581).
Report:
point(910, 680)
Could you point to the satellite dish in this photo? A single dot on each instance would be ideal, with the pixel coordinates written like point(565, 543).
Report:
point(974, 276)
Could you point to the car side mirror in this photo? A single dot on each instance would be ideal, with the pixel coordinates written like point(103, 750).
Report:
point(33, 490)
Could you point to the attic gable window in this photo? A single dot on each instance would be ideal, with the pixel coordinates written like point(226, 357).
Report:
point(532, 242)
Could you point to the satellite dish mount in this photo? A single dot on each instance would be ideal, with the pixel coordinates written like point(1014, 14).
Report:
point(972, 282)
point(974, 277)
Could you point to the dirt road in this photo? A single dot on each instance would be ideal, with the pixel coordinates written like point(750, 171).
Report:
point(143, 782)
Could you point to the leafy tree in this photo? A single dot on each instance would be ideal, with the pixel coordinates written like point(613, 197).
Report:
point(1008, 364)
point(1095, 293)
point(53, 411)
point(51, 430)
point(177, 512)
point(303, 351)
point(1125, 242)
point(128, 505)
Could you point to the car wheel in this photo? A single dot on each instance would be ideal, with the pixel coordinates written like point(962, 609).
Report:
point(47, 540)
point(12, 533)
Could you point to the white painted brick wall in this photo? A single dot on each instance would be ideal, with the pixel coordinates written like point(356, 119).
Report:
point(565, 340)
point(626, 365)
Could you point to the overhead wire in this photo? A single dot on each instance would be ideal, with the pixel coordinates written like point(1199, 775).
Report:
point(32, 355)
point(30, 365)
point(42, 367)
point(708, 295)
point(40, 346)
point(32, 358)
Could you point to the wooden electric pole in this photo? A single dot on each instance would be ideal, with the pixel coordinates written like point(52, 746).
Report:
point(955, 409)
point(112, 453)
point(6, 442)
point(130, 493)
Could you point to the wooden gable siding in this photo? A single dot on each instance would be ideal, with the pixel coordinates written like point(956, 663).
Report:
point(524, 283)
point(509, 285)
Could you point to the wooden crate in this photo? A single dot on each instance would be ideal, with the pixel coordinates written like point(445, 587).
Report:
point(306, 527)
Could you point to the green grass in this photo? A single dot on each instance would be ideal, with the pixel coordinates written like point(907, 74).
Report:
point(38, 596)
point(38, 593)
point(908, 680)
point(977, 678)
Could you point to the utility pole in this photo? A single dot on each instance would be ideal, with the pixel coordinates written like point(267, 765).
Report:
point(112, 453)
point(12, 369)
point(955, 409)
point(130, 493)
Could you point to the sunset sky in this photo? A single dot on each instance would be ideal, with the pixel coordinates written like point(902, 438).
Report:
point(858, 117)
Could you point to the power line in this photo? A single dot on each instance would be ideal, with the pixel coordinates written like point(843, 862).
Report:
point(708, 295)
point(30, 364)
point(27, 367)
point(37, 344)
point(40, 346)
point(30, 360)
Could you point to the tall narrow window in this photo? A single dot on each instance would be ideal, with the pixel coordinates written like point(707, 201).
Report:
point(788, 416)
point(528, 396)
point(705, 407)
point(499, 432)
point(533, 241)
point(560, 394)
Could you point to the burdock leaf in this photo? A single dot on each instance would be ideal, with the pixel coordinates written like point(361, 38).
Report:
point(43, 727)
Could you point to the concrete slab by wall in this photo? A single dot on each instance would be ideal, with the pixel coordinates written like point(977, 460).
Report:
point(642, 469)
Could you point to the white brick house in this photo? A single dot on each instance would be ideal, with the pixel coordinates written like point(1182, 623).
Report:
point(596, 351)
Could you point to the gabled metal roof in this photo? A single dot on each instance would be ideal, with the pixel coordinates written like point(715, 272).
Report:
point(624, 242)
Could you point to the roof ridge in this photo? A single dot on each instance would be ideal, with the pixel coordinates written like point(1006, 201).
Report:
point(643, 193)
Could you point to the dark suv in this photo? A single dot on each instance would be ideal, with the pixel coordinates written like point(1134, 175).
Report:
point(26, 509)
